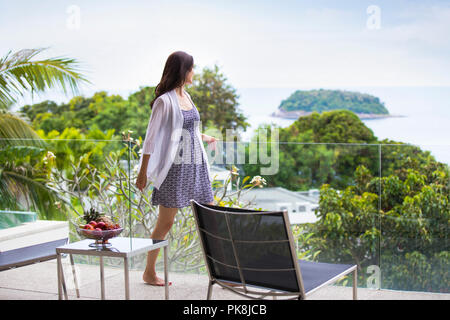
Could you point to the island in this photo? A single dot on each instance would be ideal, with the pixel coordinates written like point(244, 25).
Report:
point(304, 102)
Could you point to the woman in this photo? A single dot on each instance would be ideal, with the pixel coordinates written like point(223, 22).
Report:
point(174, 119)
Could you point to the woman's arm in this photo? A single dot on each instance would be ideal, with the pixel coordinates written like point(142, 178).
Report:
point(145, 159)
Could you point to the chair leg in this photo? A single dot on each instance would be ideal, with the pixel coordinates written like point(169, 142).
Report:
point(355, 284)
point(60, 276)
point(210, 284)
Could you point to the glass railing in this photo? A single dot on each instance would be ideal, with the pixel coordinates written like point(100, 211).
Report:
point(382, 207)
point(414, 223)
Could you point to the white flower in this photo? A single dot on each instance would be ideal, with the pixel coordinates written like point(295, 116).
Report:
point(234, 170)
point(258, 181)
point(48, 156)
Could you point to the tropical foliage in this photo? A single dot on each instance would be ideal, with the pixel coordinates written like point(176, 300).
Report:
point(398, 222)
point(24, 156)
point(217, 103)
point(327, 148)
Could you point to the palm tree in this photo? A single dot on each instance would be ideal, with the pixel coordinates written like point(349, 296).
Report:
point(20, 74)
point(21, 149)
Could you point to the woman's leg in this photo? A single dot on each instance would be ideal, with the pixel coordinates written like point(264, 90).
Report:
point(163, 225)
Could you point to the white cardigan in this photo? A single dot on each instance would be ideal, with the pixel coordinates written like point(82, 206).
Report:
point(163, 137)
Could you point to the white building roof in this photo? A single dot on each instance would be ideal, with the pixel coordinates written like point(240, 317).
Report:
point(300, 205)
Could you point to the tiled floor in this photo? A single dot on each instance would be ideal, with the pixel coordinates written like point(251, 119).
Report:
point(38, 282)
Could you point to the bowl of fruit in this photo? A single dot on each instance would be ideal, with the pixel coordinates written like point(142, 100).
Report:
point(99, 227)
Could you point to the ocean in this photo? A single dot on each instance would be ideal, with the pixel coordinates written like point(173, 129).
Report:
point(426, 111)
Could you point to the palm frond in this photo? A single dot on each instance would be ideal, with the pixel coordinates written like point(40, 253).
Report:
point(38, 197)
point(23, 182)
point(15, 131)
point(20, 74)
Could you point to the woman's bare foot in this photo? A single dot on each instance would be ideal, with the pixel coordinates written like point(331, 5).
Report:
point(154, 280)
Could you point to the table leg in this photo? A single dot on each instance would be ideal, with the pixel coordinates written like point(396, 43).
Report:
point(127, 278)
point(166, 275)
point(74, 276)
point(102, 278)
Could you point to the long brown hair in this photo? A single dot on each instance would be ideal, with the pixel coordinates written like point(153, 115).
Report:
point(178, 65)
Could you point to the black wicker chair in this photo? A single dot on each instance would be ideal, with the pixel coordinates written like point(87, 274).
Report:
point(245, 249)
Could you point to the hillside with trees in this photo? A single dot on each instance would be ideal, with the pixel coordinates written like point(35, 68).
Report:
point(216, 101)
point(304, 102)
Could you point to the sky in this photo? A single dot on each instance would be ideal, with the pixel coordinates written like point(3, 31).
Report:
point(123, 45)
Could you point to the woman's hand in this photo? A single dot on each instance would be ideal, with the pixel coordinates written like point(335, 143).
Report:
point(141, 181)
point(212, 141)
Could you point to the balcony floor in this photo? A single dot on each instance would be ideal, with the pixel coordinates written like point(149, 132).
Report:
point(38, 282)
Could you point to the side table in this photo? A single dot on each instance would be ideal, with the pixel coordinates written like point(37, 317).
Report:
point(121, 247)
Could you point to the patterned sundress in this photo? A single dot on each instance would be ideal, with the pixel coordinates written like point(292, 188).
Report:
point(186, 180)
